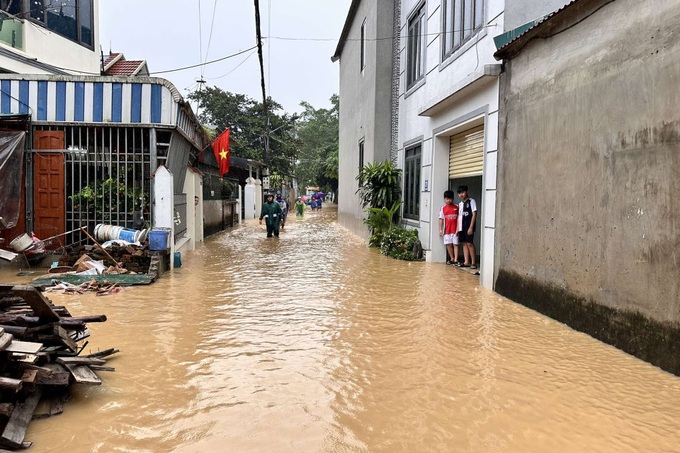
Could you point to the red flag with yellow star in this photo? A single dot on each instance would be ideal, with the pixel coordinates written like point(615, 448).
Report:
point(221, 149)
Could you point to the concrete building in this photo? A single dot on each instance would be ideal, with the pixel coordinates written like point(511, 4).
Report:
point(365, 52)
point(39, 37)
point(435, 108)
point(589, 173)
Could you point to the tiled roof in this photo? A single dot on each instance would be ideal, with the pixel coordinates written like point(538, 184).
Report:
point(125, 67)
point(110, 58)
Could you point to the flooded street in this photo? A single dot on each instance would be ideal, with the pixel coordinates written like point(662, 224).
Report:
point(315, 343)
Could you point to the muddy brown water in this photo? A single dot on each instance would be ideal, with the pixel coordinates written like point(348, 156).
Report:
point(314, 343)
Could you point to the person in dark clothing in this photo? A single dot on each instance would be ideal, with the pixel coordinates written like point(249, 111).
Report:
point(467, 210)
point(271, 212)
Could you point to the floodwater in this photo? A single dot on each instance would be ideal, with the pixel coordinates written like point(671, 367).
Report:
point(315, 343)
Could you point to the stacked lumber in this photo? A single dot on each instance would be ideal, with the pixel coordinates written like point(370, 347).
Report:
point(39, 359)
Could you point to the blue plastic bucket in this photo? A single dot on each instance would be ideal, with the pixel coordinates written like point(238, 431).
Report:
point(178, 259)
point(128, 234)
point(158, 240)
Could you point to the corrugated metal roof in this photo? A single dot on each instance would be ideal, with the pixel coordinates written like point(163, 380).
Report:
point(509, 38)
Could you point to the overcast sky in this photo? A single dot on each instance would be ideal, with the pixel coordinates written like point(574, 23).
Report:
point(166, 34)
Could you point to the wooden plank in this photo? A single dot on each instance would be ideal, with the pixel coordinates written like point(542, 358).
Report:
point(28, 359)
point(37, 301)
point(80, 361)
point(15, 431)
point(101, 368)
point(15, 330)
point(60, 334)
point(29, 376)
point(25, 347)
point(6, 410)
point(104, 353)
point(9, 383)
point(84, 375)
point(5, 340)
point(58, 375)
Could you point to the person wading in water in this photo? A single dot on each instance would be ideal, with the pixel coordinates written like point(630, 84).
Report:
point(271, 212)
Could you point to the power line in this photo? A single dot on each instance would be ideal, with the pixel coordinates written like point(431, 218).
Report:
point(291, 38)
point(237, 66)
point(204, 64)
point(212, 25)
point(200, 36)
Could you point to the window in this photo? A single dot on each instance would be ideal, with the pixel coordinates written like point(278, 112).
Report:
point(362, 63)
point(415, 53)
point(71, 19)
point(361, 159)
point(462, 19)
point(412, 183)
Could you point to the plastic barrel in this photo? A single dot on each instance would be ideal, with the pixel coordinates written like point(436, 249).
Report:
point(128, 234)
point(158, 240)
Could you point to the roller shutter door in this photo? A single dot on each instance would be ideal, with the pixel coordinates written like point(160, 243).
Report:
point(466, 156)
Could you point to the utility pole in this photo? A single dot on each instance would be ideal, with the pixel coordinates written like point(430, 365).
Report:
point(258, 30)
point(200, 82)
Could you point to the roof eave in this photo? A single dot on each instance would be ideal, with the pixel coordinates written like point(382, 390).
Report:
point(345, 29)
point(556, 22)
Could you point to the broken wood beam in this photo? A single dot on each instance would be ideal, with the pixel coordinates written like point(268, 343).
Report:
point(15, 431)
point(37, 301)
point(10, 383)
point(84, 375)
point(80, 361)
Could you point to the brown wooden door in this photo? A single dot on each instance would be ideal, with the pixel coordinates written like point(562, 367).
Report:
point(48, 185)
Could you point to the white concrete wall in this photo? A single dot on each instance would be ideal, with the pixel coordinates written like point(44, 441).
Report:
point(194, 232)
point(455, 95)
point(164, 205)
point(49, 47)
point(249, 197)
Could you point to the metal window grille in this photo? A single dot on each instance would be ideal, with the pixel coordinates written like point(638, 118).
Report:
point(107, 176)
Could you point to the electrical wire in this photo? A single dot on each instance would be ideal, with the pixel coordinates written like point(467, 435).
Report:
point(237, 66)
point(212, 25)
point(206, 63)
point(200, 36)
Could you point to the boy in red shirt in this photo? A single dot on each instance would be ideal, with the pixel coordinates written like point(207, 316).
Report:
point(448, 227)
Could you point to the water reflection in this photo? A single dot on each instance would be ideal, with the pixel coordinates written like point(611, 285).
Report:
point(314, 343)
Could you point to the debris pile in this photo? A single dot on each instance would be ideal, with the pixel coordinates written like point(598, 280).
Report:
point(132, 258)
point(39, 359)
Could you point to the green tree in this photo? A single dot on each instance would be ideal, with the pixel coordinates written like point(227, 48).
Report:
point(246, 118)
point(317, 163)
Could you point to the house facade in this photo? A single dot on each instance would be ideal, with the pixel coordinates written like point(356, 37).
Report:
point(589, 173)
point(94, 145)
point(367, 112)
point(41, 37)
point(444, 102)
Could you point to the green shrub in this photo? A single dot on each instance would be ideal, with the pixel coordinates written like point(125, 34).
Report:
point(379, 221)
point(400, 243)
point(379, 185)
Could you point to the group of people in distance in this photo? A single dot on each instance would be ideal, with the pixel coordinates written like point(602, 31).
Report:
point(275, 211)
point(316, 202)
point(457, 227)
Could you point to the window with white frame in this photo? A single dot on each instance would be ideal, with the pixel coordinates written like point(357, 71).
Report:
point(412, 182)
point(363, 46)
point(415, 52)
point(462, 19)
